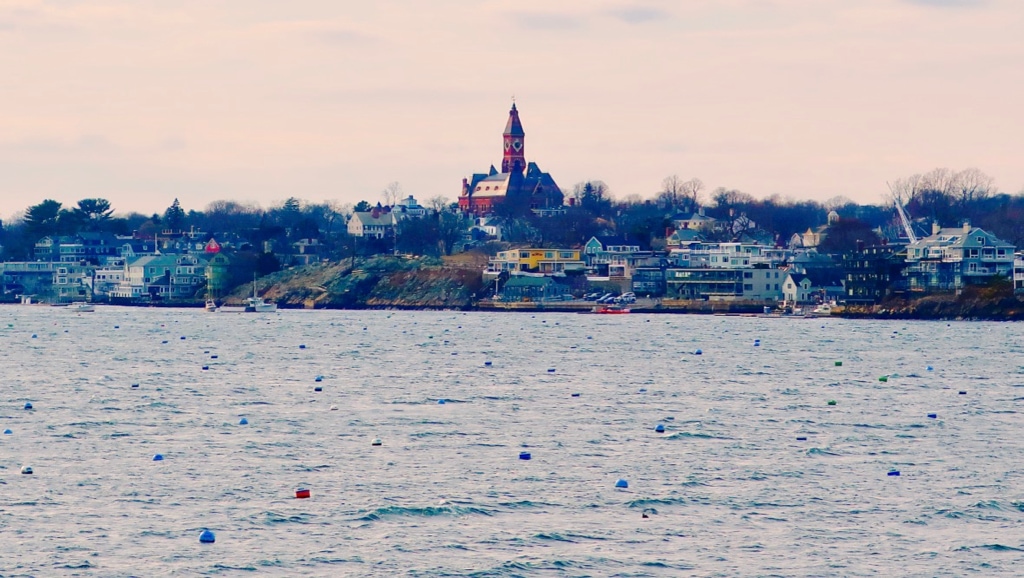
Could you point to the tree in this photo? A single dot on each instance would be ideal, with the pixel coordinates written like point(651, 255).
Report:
point(174, 216)
point(676, 193)
point(438, 203)
point(361, 207)
point(266, 264)
point(391, 193)
point(42, 220)
point(594, 197)
point(92, 214)
point(843, 236)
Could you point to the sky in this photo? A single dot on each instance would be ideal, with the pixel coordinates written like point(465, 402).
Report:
point(143, 101)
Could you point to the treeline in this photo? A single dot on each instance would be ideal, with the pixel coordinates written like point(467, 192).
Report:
point(943, 196)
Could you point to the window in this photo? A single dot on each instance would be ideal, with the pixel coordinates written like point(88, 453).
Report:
point(748, 275)
point(748, 287)
point(776, 286)
point(767, 287)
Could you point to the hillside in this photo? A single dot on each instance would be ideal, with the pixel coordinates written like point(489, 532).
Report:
point(376, 282)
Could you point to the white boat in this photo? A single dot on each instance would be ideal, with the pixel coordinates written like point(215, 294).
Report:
point(258, 305)
point(823, 310)
point(211, 305)
point(81, 307)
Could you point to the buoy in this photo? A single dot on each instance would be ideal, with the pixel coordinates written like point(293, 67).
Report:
point(801, 439)
point(158, 458)
point(487, 363)
point(698, 352)
point(182, 337)
point(33, 336)
point(318, 388)
point(303, 346)
point(831, 402)
point(963, 393)
point(135, 385)
point(524, 455)
point(642, 390)
point(213, 357)
point(929, 368)
point(376, 442)
point(883, 378)
point(551, 370)
point(27, 470)
point(118, 326)
point(164, 341)
point(575, 395)
point(8, 432)
point(302, 493)
point(660, 428)
point(894, 473)
point(243, 421)
point(440, 401)
point(28, 405)
point(839, 364)
point(318, 378)
point(207, 537)
point(206, 367)
point(933, 415)
point(620, 483)
point(334, 408)
point(589, 337)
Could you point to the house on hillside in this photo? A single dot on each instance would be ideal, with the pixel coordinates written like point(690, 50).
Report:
point(813, 287)
point(953, 257)
point(378, 223)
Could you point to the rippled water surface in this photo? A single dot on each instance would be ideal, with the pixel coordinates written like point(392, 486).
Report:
point(728, 489)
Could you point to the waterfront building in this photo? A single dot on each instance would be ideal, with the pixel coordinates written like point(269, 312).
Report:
point(547, 261)
point(873, 273)
point(953, 257)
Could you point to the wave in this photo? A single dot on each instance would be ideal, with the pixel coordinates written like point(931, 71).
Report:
point(821, 452)
point(679, 435)
point(426, 512)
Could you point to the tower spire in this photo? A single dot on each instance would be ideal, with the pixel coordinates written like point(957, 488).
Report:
point(514, 158)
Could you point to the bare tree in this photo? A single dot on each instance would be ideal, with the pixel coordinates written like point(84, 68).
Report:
point(837, 202)
point(972, 185)
point(392, 193)
point(676, 193)
point(439, 203)
point(692, 190)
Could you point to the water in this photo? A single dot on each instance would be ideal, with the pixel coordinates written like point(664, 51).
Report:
point(728, 489)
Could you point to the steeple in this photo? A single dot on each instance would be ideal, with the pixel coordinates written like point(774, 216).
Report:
point(514, 159)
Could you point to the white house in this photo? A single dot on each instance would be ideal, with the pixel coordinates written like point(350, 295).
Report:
point(378, 223)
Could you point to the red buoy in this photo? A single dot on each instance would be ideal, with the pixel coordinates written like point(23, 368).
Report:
point(302, 493)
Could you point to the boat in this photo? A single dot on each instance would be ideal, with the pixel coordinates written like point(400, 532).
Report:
point(823, 310)
point(211, 305)
point(81, 307)
point(610, 309)
point(256, 304)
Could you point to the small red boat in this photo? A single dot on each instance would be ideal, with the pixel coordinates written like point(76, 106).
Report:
point(610, 309)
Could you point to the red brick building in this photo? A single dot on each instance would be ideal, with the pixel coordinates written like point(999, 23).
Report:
point(518, 179)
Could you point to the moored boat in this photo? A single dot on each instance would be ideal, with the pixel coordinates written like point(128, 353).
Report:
point(610, 309)
point(81, 307)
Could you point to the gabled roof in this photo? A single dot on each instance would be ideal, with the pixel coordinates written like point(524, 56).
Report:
point(367, 219)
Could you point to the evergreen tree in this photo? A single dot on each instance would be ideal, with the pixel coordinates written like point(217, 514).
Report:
point(174, 216)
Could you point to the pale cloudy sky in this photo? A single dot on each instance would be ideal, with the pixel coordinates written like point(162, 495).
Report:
point(142, 101)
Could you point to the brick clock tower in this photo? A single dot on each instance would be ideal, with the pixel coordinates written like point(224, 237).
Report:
point(514, 159)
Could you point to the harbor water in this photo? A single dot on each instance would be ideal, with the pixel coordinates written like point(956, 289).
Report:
point(773, 459)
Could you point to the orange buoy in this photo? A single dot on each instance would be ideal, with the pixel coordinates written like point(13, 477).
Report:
point(301, 493)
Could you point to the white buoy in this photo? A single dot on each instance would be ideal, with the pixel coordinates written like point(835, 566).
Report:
point(376, 442)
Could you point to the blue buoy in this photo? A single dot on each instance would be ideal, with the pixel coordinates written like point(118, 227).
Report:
point(589, 337)
point(929, 368)
point(164, 341)
point(894, 473)
point(183, 337)
point(135, 386)
point(801, 439)
point(117, 327)
point(318, 379)
point(933, 415)
point(698, 352)
point(243, 421)
point(963, 393)
point(621, 483)
point(303, 346)
point(440, 401)
point(660, 428)
point(575, 395)
point(642, 390)
point(158, 458)
point(524, 455)
point(207, 537)
point(487, 363)
point(28, 405)
point(7, 432)
point(213, 357)
point(318, 388)
point(206, 367)
point(33, 336)
point(552, 370)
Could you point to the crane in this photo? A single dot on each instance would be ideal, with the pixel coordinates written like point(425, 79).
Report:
point(904, 219)
point(906, 223)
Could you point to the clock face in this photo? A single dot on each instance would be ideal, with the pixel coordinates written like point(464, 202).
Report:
point(518, 145)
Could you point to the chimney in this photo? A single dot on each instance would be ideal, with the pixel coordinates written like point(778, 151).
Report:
point(572, 201)
point(375, 213)
point(700, 211)
point(967, 226)
point(935, 228)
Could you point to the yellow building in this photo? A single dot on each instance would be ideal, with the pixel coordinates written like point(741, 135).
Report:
point(537, 261)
